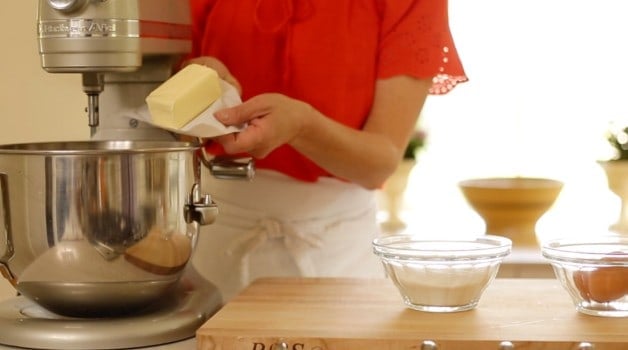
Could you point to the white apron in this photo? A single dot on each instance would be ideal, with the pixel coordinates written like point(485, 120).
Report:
point(277, 226)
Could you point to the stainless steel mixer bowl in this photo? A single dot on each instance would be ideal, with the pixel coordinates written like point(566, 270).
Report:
point(99, 227)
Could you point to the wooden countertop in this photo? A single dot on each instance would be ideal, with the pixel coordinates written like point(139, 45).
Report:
point(328, 313)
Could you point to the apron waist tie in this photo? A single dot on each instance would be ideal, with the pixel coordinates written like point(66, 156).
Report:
point(266, 229)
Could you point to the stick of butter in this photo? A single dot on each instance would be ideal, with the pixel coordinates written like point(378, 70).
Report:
point(184, 96)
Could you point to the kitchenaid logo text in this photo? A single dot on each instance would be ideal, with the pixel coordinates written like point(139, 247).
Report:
point(85, 28)
point(295, 346)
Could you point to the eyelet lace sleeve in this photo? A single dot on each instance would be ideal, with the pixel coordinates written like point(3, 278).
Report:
point(416, 40)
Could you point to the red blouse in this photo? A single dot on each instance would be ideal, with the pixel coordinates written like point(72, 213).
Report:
point(328, 53)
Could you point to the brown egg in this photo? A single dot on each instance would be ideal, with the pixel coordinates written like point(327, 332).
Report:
point(603, 284)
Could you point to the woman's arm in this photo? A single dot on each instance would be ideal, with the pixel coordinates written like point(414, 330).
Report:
point(366, 157)
point(369, 156)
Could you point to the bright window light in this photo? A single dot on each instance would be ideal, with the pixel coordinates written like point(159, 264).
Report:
point(546, 79)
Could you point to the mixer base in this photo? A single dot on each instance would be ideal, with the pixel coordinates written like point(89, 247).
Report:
point(25, 324)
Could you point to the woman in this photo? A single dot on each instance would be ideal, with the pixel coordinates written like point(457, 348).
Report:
point(332, 91)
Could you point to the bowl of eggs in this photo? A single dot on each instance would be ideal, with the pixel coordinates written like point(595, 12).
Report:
point(441, 275)
point(594, 271)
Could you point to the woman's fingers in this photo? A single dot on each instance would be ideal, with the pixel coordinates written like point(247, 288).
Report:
point(255, 107)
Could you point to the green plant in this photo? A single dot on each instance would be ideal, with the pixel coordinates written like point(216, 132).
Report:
point(618, 139)
point(416, 143)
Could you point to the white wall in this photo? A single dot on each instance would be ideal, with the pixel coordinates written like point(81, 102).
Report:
point(34, 105)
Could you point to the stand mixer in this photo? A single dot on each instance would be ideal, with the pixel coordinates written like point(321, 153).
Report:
point(63, 202)
point(122, 49)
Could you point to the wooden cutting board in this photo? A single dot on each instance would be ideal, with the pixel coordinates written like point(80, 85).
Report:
point(361, 314)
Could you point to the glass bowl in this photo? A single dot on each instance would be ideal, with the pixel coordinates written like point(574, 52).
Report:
point(594, 271)
point(441, 275)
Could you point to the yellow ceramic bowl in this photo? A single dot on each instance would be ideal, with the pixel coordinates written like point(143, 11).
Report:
point(511, 206)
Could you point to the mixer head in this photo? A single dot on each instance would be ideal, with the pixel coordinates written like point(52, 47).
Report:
point(101, 37)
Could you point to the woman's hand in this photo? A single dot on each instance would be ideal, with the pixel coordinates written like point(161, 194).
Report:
point(366, 157)
point(273, 120)
point(219, 67)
